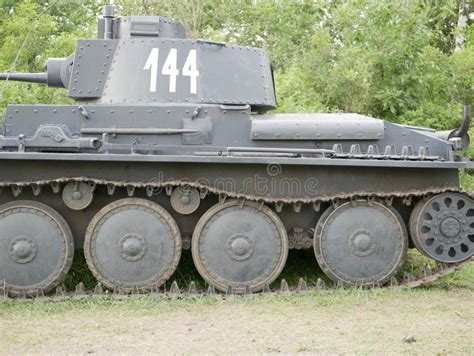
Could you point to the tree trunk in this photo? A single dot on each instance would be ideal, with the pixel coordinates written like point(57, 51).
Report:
point(463, 13)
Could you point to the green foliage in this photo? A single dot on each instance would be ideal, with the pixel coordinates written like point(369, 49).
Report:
point(33, 31)
point(387, 61)
point(391, 59)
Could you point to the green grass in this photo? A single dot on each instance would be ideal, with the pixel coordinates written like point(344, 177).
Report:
point(337, 321)
point(459, 283)
point(300, 264)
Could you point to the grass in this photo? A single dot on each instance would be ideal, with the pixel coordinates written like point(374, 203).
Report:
point(336, 321)
point(300, 264)
point(459, 283)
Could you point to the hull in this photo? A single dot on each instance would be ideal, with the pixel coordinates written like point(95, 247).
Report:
point(298, 193)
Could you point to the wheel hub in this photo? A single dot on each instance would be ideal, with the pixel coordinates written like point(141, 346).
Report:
point(362, 243)
point(240, 247)
point(133, 247)
point(185, 199)
point(77, 195)
point(23, 249)
point(450, 227)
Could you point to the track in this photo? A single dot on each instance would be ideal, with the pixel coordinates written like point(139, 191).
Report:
point(408, 281)
point(156, 187)
point(428, 275)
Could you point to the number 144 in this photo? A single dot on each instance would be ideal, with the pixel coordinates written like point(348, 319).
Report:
point(170, 68)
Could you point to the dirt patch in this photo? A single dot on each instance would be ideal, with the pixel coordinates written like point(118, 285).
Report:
point(424, 322)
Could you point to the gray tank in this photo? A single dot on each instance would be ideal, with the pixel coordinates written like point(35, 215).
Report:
point(170, 146)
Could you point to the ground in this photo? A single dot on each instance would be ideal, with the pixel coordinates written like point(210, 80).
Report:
point(438, 319)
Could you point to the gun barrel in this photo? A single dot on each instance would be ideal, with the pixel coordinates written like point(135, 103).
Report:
point(25, 77)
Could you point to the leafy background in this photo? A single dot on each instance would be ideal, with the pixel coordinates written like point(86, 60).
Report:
point(392, 59)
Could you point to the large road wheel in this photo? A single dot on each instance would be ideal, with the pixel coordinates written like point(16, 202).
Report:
point(360, 242)
point(132, 243)
point(240, 245)
point(442, 227)
point(36, 247)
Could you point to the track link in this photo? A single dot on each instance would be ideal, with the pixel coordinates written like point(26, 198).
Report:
point(427, 276)
point(175, 292)
point(155, 187)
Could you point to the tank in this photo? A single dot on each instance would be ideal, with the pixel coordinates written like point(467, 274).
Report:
point(171, 145)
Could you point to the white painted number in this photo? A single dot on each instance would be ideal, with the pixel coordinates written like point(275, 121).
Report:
point(170, 68)
point(190, 70)
point(152, 63)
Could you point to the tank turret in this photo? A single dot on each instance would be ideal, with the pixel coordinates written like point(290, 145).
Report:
point(149, 60)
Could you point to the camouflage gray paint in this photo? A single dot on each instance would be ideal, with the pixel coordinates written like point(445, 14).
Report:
point(170, 144)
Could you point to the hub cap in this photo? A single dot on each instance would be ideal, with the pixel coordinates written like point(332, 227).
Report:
point(23, 249)
point(240, 247)
point(133, 247)
point(362, 243)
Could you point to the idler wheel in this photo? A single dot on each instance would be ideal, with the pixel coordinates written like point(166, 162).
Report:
point(36, 247)
point(442, 227)
point(239, 246)
point(132, 243)
point(360, 242)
